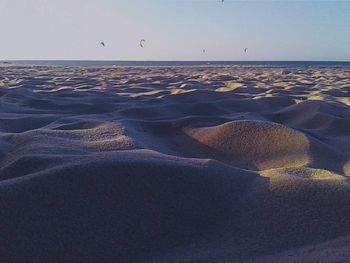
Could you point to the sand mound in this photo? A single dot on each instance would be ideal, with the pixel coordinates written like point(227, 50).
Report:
point(262, 145)
point(119, 205)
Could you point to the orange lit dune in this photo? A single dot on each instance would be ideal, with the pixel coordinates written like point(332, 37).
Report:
point(174, 164)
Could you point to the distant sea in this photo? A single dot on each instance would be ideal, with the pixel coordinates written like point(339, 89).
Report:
point(85, 63)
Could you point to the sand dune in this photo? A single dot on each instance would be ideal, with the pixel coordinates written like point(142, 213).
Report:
point(260, 145)
point(174, 164)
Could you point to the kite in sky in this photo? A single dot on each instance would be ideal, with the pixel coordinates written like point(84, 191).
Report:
point(142, 41)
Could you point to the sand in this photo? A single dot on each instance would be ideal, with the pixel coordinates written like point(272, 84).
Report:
point(174, 164)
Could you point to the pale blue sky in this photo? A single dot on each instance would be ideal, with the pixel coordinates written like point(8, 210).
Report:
point(175, 29)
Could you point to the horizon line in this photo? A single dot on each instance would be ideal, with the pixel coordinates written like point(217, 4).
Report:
point(111, 60)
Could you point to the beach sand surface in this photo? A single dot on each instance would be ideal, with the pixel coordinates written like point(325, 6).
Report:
point(174, 164)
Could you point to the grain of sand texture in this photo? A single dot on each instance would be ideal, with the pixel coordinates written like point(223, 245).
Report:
point(174, 164)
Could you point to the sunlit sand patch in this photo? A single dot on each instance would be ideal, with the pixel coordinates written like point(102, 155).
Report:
point(261, 85)
point(346, 101)
point(14, 83)
point(303, 181)
point(181, 91)
point(347, 169)
point(230, 86)
point(2, 84)
point(303, 172)
point(156, 93)
point(119, 143)
point(305, 81)
point(344, 75)
point(281, 84)
point(251, 75)
point(317, 97)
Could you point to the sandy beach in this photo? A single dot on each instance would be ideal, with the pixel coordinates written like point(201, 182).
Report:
point(174, 164)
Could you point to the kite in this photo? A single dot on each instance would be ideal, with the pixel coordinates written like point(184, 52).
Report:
point(142, 41)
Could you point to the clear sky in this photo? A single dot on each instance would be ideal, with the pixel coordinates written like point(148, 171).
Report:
point(175, 29)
